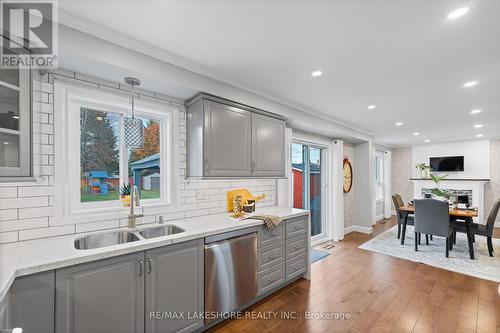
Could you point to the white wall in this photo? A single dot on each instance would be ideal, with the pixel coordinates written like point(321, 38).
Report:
point(364, 205)
point(476, 157)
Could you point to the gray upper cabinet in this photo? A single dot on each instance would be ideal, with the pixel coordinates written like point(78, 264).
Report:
point(174, 284)
point(268, 143)
point(103, 296)
point(15, 124)
point(227, 139)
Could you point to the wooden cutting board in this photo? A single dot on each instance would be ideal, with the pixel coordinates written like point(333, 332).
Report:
point(245, 196)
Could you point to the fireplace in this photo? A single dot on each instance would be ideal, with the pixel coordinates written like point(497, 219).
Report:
point(468, 191)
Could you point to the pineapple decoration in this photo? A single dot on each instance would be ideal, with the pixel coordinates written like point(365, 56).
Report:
point(125, 194)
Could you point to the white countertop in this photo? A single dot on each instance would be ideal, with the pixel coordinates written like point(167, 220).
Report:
point(29, 257)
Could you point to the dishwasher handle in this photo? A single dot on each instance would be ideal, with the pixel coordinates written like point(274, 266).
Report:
point(230, 240)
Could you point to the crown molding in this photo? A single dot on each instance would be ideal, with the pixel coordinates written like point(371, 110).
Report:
point(133, 44)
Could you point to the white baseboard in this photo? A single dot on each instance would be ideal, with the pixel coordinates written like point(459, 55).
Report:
point(358, 228)
point(380, 217)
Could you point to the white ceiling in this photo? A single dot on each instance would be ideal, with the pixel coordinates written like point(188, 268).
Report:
point(403, 56)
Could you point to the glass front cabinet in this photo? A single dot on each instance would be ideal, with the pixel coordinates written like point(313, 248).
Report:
point(15, 123)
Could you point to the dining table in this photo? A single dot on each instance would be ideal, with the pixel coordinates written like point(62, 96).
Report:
point(455, 213)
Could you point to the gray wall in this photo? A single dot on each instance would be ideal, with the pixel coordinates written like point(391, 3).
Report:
point(363, 207)
point(349, 197)
point(401, 173)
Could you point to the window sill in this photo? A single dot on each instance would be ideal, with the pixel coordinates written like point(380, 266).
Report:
point(14, 181)
point(115, 213)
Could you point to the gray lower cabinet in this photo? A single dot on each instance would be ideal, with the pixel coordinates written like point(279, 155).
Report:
point(227, 140)
point(4, 312)
point(100, 297)
point(174, 285)
point(32, 303)
point(268, 146)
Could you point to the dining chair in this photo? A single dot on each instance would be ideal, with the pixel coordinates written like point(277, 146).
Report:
point(398, 203)
point(485, 230)
point(432, 218)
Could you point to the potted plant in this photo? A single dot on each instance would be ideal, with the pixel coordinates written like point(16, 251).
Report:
point(125, 195)
point(437, 192)
point(423, 169)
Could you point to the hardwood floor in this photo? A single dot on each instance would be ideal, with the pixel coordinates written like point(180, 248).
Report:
point(380, 294)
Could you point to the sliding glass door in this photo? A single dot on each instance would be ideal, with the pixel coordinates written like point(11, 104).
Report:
point(308, 184)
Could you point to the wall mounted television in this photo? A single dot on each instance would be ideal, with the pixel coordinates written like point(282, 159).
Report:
point(447, 163)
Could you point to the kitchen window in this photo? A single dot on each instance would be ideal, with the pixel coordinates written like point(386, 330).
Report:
point(94, 159)
point(15, 123)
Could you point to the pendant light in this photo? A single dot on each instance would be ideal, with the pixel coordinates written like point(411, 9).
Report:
point(134, 129)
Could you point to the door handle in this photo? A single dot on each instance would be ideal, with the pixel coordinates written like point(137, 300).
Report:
point(207, 165)
point(150, 265)
point(253, 166)
point(141, 264)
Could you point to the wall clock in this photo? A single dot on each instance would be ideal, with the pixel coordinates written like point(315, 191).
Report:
point(347, 175)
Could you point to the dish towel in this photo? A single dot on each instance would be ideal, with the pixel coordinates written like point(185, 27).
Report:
point(271, 221)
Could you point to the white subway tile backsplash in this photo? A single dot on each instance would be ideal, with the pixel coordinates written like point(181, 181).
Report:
point(46, 232)
point(8, 237)
point(87, 227)
point(23, 202)
point(26, 213)
point(35, 191)
point(8, 192)
point(8, 214)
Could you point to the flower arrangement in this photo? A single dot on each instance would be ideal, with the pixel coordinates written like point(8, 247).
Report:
point(423, 169)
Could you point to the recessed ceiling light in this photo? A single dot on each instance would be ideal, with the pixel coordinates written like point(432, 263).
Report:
point(427, 140)
point(5, 143)
point(478, 125)
point(470, 84)
point(316, 73)
point(371, 107)
point(458, 13)
point(416, 133)
point(479, 135)
point(476, 111)
point(15, 117)
point(399, 123)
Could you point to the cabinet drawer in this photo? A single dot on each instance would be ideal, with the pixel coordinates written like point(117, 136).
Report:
point(271, 255)
point(271, 278)
point(296, 266)
point(296, 246)
point(296, 226)
point(267, 237)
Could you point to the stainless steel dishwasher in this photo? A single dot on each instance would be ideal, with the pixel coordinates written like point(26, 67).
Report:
point(230, 272)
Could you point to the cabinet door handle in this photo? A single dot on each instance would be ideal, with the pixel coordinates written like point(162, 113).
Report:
point(253, 166)
point(150, 265)
point(141, 264)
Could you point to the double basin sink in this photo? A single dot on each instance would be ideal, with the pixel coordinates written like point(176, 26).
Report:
point(96, 241)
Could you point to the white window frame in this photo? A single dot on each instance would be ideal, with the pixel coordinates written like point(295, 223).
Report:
point(69, 97)
point(326, 209)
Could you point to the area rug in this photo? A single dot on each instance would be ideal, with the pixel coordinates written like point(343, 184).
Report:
point(483, 266)
point(317, 255)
